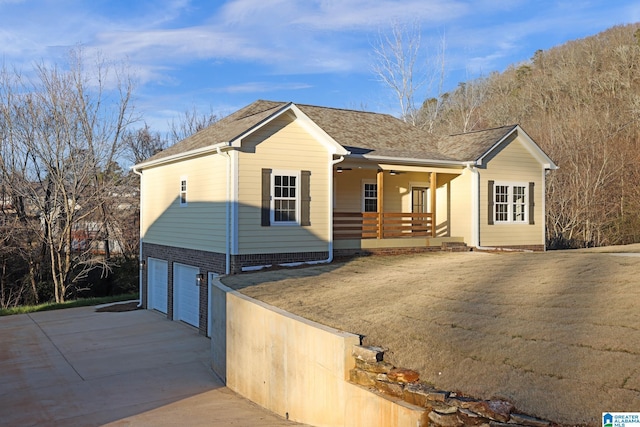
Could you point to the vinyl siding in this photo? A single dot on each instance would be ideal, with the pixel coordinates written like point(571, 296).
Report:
point(461, 212)
point(513, 164)
point(201, 224)
point(348, 188)
point(282, 145)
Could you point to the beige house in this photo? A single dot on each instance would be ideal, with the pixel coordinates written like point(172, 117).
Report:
point(280, 183)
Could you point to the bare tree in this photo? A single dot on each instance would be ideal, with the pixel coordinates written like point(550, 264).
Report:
point(401, 64)
point(190, 122)
point(63, 129)
point(143, 143)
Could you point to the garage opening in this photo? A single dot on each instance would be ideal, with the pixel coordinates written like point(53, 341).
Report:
point(186, 294)
point(157, 280)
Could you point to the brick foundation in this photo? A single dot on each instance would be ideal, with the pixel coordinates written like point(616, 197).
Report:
point(253, 260)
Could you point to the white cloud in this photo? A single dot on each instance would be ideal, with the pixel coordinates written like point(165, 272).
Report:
point(258, 87)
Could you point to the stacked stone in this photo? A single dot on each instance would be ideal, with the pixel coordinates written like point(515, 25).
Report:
point(442, 408)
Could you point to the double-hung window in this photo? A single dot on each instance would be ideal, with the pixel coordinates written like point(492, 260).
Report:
point(510, 202)
point(183, 191)
point(286, 197)
point(370, 197)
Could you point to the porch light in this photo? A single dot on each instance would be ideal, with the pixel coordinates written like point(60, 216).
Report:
point(392, 172)
point(340, 169)
point(142, 264)
point(200, 279)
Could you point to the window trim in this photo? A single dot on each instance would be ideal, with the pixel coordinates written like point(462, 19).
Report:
point(183, 190)
point(363, 193)
point(511, 203)
point(297, 198)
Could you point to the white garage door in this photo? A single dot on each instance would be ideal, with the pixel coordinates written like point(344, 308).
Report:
point(157, 284)
point(186, 294)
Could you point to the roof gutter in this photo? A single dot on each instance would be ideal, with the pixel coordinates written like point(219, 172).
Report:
point(182, 156)
point(413, 161)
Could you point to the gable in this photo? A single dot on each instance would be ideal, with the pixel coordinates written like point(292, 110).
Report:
point(525, 142)
point(513, 160)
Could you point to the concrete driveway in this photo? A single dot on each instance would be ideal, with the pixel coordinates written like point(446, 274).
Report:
point(80, 367)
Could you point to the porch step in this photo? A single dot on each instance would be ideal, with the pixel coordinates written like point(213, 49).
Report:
point(455, 247)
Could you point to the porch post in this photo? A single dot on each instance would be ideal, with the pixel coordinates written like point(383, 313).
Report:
point(434, 186)
point(380, 188)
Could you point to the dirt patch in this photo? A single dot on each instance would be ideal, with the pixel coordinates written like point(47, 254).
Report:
point(556, 333)
point(119, 307)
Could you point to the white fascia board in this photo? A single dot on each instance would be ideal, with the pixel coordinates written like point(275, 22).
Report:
point(530, 145)
point(235, 142)
point(182, 156)
point(317, 132)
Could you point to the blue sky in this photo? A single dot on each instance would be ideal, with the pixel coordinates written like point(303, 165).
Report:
point(221, 55)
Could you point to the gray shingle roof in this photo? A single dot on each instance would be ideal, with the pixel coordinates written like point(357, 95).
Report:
point(362, 133)
point(472, 145)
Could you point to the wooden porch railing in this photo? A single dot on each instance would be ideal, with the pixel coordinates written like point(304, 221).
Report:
point(370, 225)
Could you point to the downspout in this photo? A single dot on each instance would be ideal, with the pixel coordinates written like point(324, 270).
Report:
point(228, 231)
point(475, 202)
point(332, 163)
point(139, 240)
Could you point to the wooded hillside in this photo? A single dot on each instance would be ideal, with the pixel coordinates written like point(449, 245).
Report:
point(581, 103)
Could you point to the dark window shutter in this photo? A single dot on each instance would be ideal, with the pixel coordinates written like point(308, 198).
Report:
point(532, 203)
point(490, 203)
point(266, 198)
point(305, 198)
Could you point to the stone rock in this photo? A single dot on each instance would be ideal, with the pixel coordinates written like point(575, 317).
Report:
point(526, 420)
point(402, 375)
point(437, 396)
point(444, 420)
point(443, 408)
point(416, 394)
point(497, 410)
point(368, 354)
point(461, 402)
point(378, 367)
point(390, 388)
point(363, 378)
point(470, 418)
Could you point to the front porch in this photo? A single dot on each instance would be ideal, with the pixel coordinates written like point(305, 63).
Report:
point(385, 207)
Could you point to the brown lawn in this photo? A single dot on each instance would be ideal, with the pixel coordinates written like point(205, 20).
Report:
point(555, 333)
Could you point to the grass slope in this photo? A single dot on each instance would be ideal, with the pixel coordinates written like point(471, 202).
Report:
point(556, 333)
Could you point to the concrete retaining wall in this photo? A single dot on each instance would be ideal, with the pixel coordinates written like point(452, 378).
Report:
point(295, 368)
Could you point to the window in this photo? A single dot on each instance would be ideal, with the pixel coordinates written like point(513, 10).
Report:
point(183, 191)
point(510, 202)
point(286, 198)
point(370, 197)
